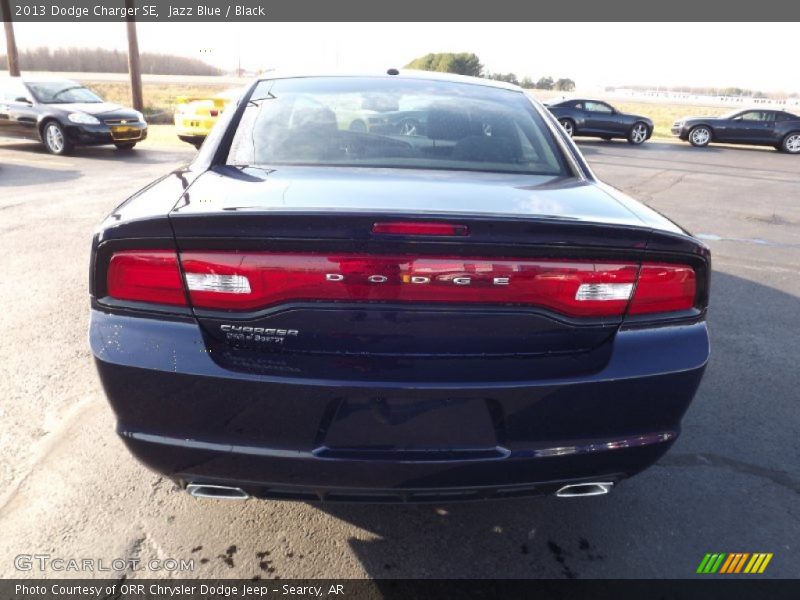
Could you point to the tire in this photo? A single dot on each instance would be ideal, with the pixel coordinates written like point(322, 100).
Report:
point(791, 143)
point(55, 140)
point(358, 126)
point(700, 136)
point(125, 145)
point(568, 125)
point(638, 133)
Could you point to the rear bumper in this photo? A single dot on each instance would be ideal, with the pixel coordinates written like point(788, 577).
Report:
point(277, 474)
point(272, 434)
point(195, 140)
point(193, 126)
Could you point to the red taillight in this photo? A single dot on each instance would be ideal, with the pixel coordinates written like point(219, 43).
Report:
point(234, 281)
point(416, 228)
point(146, 276)
point(664, 288)
point(251, 281)
point(213, 112)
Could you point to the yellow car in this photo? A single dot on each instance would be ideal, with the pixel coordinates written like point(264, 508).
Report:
point(196, 115)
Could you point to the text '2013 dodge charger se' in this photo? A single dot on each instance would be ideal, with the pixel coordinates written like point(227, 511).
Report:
point(458, 311)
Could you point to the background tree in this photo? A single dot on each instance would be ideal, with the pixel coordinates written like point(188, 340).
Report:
point(527, 83)
point(545, 83)
point(733, 91)
point(507, 77)
point(461, 63)
point(101, 60)
point(565, 85)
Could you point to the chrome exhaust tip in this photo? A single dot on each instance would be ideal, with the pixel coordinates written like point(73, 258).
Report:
point(219, 492)
point(580, 490)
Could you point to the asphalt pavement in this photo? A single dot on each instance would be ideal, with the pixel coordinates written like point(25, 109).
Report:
point(69, 489)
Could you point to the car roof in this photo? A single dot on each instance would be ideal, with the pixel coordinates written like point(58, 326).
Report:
point(401, 74)
point(755, 109)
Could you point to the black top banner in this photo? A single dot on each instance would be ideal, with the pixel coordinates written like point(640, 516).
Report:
point(408, 10)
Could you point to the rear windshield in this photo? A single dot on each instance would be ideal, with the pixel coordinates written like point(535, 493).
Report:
point(393, 123)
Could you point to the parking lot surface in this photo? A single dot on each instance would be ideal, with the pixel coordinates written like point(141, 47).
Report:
point(69, 489)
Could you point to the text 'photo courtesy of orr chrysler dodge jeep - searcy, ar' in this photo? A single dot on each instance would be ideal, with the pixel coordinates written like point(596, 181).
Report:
point(452, 310)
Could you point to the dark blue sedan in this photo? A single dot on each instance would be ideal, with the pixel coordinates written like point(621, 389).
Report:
point(461, 312)
point(776, 128)
point(595, 118)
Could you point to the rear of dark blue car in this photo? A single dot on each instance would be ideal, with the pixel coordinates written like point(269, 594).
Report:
point(347, 329)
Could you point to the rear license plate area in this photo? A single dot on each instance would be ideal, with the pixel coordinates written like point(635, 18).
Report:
point(420, 428)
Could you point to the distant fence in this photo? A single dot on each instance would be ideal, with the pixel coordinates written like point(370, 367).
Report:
point(700, 99)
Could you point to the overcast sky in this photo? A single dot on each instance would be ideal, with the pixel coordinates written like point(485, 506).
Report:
point(756, 56)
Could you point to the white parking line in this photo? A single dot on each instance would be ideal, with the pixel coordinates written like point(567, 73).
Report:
point(36, 160)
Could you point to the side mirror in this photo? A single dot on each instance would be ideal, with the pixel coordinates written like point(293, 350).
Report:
point(23, 100)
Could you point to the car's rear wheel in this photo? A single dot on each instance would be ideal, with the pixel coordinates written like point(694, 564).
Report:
point(700, 136)
point(638, 133)
point(55, 140)
point(125, 145)
point(791, 143)
point(409, 127)
point(568, 125)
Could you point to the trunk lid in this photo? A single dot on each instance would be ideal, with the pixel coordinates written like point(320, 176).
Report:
point(324, 218)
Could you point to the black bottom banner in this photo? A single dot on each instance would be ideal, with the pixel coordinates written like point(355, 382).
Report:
point(406, 589)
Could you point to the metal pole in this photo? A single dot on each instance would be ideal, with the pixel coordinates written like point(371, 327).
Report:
point(11, 41)
point(134, 67)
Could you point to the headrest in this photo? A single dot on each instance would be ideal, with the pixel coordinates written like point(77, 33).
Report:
point(314, 118)
point(448, 124)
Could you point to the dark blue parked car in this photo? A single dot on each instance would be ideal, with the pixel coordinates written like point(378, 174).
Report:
point(311, 312)
point(776, 128)
point(594, 118)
